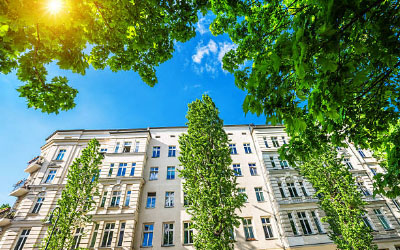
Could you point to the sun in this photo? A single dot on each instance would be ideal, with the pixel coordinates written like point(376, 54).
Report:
point(54, 6)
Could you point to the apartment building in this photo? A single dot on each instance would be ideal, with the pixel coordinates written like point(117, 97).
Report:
point(142, 205)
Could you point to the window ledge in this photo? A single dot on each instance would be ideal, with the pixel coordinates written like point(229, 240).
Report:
point(252, 239)
point(167, 245)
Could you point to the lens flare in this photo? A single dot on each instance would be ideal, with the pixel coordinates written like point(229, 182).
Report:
point(54, 6)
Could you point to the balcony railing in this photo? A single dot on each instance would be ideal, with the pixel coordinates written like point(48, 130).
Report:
point(301, 199)
point(34, 164)
point(20, 188)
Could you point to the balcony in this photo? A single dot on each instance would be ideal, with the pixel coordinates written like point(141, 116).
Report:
point(6, 215)
point(296, 200)
point(20, 188)
point(34, 164)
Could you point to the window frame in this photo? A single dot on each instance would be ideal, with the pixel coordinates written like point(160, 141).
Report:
point(172, 151)
point(107, 240)
point(39, 202)
point(168, 234)
point(61, 154)
point(267, 227)
point(21, 240)
point(169, 199)
point(149, 232)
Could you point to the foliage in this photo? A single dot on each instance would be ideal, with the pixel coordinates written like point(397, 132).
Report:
point(334, 62)
point(336, 189)
point(76, 198)
point(6, 205)
point(121, 35)
point(209, 183)
point(389, 153)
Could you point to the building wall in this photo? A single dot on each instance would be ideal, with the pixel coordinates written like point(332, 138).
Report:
point(135, 215)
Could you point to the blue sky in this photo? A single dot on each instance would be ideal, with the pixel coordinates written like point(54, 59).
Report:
point(121, 100)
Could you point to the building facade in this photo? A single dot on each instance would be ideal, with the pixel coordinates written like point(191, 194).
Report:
point(142, 205)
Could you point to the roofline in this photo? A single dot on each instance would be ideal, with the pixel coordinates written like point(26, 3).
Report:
point(126, 130)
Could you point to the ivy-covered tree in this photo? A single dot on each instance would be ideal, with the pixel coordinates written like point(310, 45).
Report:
point(209, 183)
point(335, 187)
point(76, 198)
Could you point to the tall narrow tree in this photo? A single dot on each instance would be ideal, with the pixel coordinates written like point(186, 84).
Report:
point(77, 197)
point(209, 183)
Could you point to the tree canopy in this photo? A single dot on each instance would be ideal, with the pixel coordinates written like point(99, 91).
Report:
point(121, 35)
point(209, 183)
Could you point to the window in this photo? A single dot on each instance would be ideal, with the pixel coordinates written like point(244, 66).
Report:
point(292, 224)
point(121, 234)
point(39, 203)
point(156, 152)
point(60, 155)
point(292, 189)
point(115, 198)
point(396, 203)
point(108, 234)
point(77, 238)
point(259, 194)
point(348, 163)
point(247, 148)
point(95, 232)
point(116, 148)
point(283, 163)
point(253, 169)
point(137, 146)
point(187, 233)
point(169, 199)
point(265, 142)
point(122, 169)
point(382, 219)
point(248, 229)
point(153, 173)
point(170, 173)
point(151, 200)
point(303, 188)
point(275, 142)
point(168, 239)
point(148, 235)
point(266, 224)
point(110, 172)
point(281, 190)
point(283, 140)
point(367, 222)
point(305, 224)
point(128, 198)
point(50, 176)
point(373, 171)
point(361, 152)
point(103, 150)
point(22, 239)
point(171, 151)
point(133, 169)
point(233, 149)
point(237, 170)
point(127, 147)
point(317, 222)
point(243, 191)
point(271, 158)
point(363, 189)
point(103, 200)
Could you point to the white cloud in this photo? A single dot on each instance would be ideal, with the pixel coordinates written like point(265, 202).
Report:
point(208, 58)
point(204, 50)
point(202, 25)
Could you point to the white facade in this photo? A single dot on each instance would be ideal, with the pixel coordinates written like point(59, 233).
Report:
point(141, 203)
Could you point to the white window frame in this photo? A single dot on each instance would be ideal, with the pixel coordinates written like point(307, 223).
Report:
point(169, 199)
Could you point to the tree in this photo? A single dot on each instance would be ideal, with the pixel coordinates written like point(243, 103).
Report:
point(334, 63)
point(209, 183)
point(338, 195)
point(76, 198)
point(4, 205)
point(122, 35)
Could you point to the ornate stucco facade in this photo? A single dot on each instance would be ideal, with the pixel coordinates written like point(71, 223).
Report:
point(141, 203)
